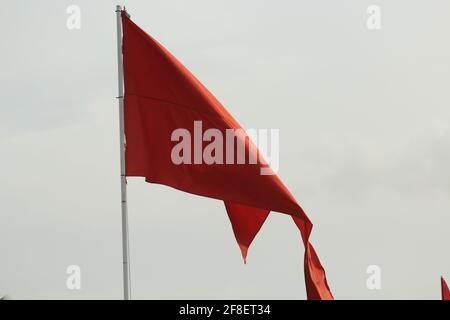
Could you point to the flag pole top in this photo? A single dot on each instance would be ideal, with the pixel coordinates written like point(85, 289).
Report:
point(119, 9)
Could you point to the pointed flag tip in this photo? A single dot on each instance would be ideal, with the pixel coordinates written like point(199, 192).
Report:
point(244, 250)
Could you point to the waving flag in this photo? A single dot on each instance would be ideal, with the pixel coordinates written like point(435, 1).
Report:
point(445, 290)
point(162, 96)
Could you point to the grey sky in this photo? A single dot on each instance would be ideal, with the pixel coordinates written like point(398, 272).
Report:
point(364, 140)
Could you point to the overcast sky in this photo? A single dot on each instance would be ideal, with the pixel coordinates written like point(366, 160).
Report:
point(364, 123)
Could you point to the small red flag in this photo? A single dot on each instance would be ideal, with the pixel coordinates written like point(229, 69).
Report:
point(161, 96)
point(445, 290)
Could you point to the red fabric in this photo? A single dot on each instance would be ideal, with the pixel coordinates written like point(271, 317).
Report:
point(246, 222)
point(445, 290)
point(161, 95)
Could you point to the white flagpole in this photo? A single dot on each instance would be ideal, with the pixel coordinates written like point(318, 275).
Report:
point(123, 181)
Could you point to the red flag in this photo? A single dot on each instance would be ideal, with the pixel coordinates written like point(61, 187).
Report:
point(445, 290)
point(161, 96)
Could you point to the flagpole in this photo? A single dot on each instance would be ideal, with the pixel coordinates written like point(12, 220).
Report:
point(123, 181)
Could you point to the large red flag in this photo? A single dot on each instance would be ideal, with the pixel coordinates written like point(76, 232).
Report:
point(161, 96)
point(445, 290)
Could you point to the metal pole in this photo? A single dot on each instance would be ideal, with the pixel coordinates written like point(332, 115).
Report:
point(123, 181)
